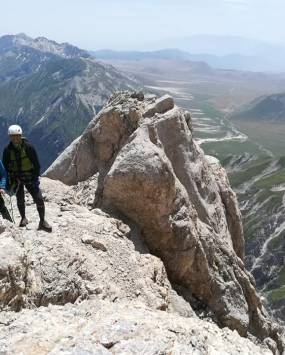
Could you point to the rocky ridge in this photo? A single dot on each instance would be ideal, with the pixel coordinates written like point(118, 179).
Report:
point(92, 287)
point(147, 167)
point(65, 50)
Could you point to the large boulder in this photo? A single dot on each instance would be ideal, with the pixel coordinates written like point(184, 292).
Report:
point(150, 170)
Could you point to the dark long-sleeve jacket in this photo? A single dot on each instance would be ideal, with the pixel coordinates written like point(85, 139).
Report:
point(31, 154)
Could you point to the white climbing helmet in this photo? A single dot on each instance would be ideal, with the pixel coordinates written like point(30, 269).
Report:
point(14, 129)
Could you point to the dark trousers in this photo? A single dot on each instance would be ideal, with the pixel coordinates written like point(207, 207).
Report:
point(35, 191)
point(3, 210)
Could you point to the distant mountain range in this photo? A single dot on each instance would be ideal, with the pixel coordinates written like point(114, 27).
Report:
point(152, 59)
point(225, 52)
point(52, 90)
point(168, 54)
point(234, 61)
point(217, 45)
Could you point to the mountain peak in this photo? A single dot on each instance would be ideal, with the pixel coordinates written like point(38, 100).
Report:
point(22, 35)
point(42, 44)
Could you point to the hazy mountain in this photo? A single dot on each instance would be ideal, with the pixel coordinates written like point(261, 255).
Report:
point(237, 62)
point(170, 54)
point(265, 58)
point(218, 45)
point(265, 108)
point(53, 90)
point(269, 61)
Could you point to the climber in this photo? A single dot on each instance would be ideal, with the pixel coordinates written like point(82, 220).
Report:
point(21, 162)
point(3, 178)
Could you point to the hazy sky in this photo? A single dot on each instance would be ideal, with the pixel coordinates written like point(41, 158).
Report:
point(131, 24)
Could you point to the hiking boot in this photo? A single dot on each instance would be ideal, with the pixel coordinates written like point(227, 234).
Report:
point(44, 226)
point(23, 222)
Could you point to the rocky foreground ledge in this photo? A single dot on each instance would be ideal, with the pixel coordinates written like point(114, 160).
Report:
point(147, 239)
point(92, 287)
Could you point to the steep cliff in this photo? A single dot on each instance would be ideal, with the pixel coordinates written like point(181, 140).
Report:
point(149, 169)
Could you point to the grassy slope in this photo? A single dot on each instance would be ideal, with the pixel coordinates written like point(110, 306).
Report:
point(270, 135)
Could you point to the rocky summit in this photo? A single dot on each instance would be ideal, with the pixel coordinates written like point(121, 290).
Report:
point(146, 254)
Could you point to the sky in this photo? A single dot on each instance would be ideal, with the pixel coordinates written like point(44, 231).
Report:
point(131, 24)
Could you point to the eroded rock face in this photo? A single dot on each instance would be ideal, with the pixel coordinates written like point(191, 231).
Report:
point(150, 169)
point(89, 254)
point(13, 272)
point(104, 327)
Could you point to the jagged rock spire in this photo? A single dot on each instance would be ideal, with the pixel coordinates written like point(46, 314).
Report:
point(150, 169)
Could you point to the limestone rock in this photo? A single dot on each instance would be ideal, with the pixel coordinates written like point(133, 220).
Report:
point(88, 254)
point(233, 214)
point(13, 271)
point(72, 298)
point(138, 95)
point(104, 327)
point(173, 195)
point(69, 166)
point(150, 170)
point(162, 105)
